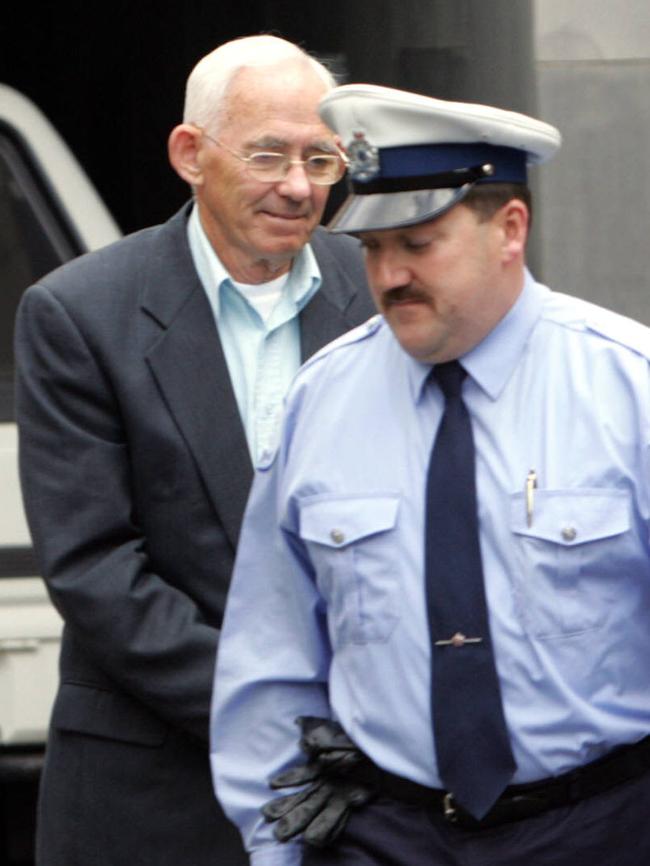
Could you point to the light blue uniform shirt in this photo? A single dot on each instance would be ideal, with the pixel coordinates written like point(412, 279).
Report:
point(327, 614)
point(262, 356)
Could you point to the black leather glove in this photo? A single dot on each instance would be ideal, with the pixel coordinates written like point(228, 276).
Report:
point(320, 810)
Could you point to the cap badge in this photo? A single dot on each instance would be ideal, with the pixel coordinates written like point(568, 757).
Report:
point(364, 158)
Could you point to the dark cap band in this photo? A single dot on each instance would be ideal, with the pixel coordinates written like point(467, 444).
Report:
point(440, 166)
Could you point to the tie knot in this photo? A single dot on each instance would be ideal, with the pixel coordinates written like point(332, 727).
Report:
point(450, 377)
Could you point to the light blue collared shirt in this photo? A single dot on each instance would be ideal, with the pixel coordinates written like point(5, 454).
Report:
point(326, 614)
point(262, 356)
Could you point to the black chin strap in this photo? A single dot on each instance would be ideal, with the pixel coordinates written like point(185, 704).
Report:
point(440, 180)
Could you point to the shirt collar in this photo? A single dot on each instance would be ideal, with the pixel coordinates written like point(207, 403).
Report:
point(493, 360)
point(304, 277)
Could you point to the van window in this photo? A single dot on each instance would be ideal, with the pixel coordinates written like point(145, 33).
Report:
point(33, 239)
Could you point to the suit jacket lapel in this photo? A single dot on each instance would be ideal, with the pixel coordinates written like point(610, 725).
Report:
point(326, 316)
point(190, 369)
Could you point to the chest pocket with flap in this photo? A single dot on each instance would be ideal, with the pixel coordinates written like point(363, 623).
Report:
point(351, 544)
point(570, 561)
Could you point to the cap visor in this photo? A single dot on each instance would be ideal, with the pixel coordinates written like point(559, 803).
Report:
point(390, 210)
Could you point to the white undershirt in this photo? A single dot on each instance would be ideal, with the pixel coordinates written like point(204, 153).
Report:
point(263, 296)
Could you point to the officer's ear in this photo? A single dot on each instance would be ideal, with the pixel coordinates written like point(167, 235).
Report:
point(513, 219)
point(183, 148)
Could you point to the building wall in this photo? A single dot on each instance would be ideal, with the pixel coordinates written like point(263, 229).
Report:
point(593, 82)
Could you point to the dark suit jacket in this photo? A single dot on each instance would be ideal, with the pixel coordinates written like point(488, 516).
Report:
point(135, 474)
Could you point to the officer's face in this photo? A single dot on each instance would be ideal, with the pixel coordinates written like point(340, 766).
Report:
point(250, 222)
point(442, 286)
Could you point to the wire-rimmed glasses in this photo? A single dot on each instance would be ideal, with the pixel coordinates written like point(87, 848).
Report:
point(323, 169)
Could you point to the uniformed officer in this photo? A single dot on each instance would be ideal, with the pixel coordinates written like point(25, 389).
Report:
point(444, 573)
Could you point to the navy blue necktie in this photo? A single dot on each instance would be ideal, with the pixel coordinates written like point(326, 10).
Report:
point(472, 743)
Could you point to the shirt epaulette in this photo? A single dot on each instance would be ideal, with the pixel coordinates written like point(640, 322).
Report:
point(619, 329)
point(614, 327)
point(362, 332)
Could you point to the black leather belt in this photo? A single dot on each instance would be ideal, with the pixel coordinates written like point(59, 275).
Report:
point(519, 801)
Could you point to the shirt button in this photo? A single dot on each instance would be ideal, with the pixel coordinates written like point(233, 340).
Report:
point(337, 536)
point(569, 533)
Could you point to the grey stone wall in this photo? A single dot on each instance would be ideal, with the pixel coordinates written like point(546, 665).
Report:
point(593, 82)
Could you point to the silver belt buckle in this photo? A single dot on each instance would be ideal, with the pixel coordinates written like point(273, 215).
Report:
point(449, 809)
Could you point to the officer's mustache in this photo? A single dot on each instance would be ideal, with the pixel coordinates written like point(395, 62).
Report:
point(400, 294)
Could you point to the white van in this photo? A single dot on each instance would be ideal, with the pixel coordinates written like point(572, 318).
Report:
point(49, 213)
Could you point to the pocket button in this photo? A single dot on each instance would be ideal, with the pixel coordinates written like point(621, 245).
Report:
point(337, 536)
point(569, 533)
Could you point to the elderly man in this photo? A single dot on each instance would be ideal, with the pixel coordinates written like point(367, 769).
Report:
point(150, 378)
point(448, 587)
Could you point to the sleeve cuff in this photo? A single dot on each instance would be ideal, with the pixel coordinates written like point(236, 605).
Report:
point(286, 854)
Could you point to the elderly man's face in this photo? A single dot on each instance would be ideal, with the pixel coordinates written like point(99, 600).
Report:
point(442, 286)
point(258, 227)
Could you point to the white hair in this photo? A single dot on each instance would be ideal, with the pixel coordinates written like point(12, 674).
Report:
point(208, 82)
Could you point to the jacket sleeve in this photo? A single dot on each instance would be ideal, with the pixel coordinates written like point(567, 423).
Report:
point(146, 636)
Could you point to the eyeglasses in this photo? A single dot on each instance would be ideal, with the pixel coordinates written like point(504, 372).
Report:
point(323, 169)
